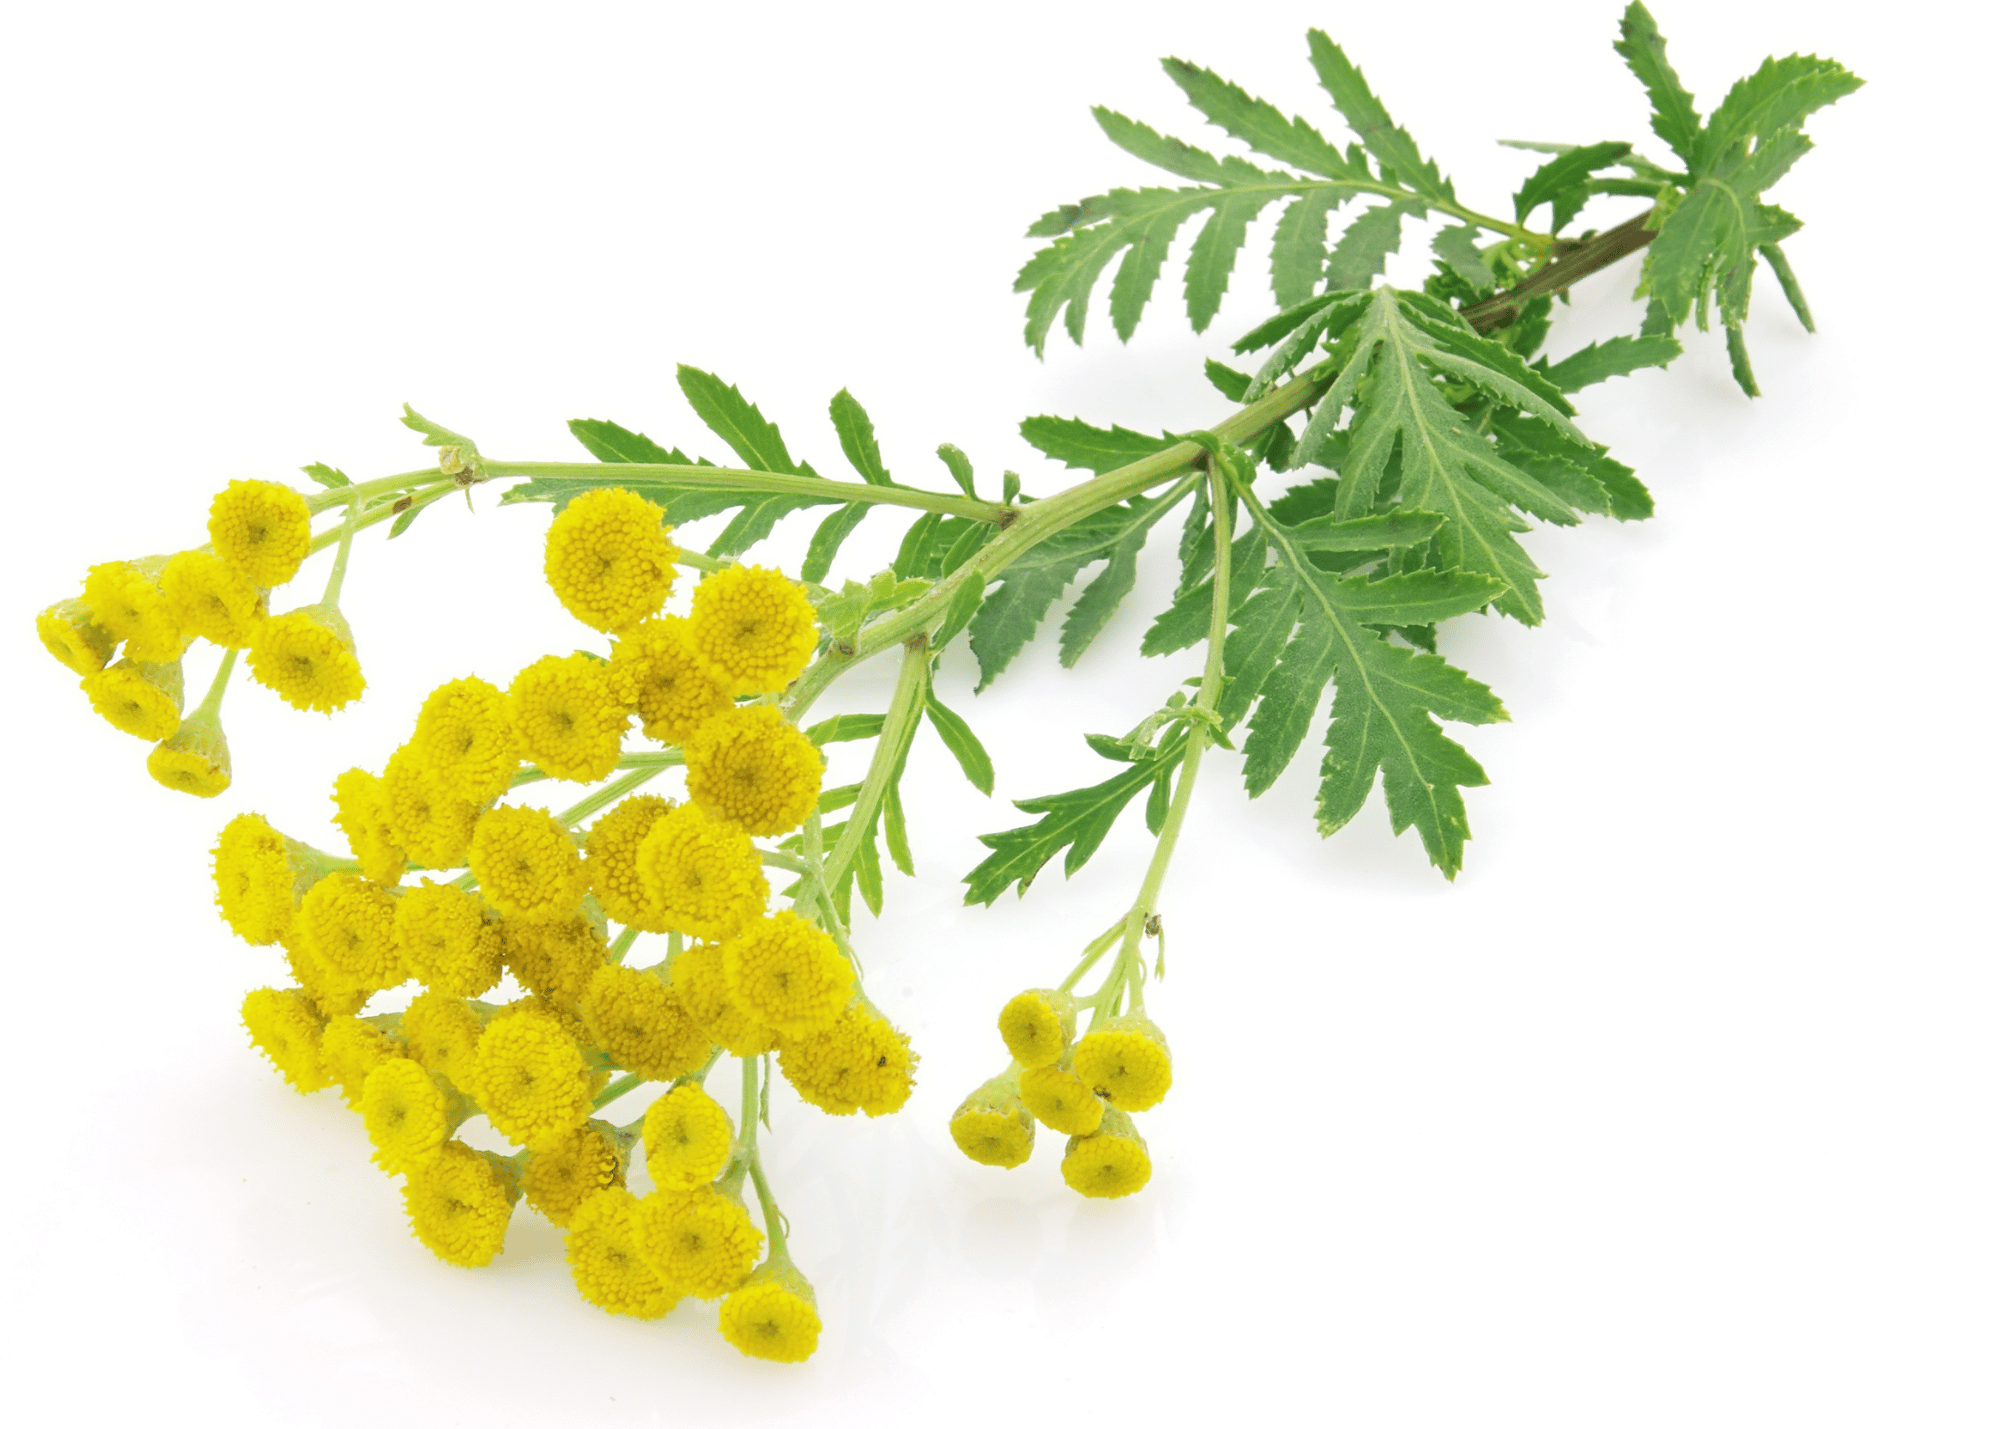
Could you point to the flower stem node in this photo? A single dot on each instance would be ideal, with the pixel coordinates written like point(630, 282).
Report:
point(1125, 1061)
point(71, 633)
point(773, 1315)
point(602, 1248)
point(1038, 1026)
point(688, 1138)
point(1110, 1162)
point(286, 1027)
point(460, 1201)
point(138, 697)
point(307, 657)
point(194, 759)
point(993, 1126)
point(1061, 1100)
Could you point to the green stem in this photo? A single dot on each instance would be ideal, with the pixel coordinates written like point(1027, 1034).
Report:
point(338, 574)
point(790, 862)
point(898, 725)
point(211, 703)
point(746, 1144)
point(617, 1089)
point(326, 500)
point(610, 794)
point(1098, 946)
point(376, 514)
point(621, 945)
point(653, 759)
point(696, 478)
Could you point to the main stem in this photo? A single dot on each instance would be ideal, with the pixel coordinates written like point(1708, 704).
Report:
point(890, 746)
point(736, 479)
point(1568, 266)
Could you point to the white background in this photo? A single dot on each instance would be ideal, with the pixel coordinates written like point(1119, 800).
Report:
point(1677, 1108)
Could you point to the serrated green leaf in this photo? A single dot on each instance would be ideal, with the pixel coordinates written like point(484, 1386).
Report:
point(1226, 380)
point(960, 466)
point(1213, 256)
point(1165, 152)
point(1298, 247)
point(827, 538)
point(1794, 294)
point(1564, 182)
point(1258, 124)
point(965, 603)
point(434, 435)
point(857, 438)
point(1584, 476)
point(1614, 357)
point(327, 476)
point(1392, 530)
point(1371, 123)
point(1645, 52)
point(1083, 447)
point(1739, 362)
point(1458, 247)
point(1761, 107)
point(733, 417)
point(1334, 317)
point(964, 745)
point(1363, 251)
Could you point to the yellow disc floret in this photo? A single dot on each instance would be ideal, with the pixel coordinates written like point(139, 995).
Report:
point(640, 1023)
point(459, 1203)
point(752, 768)
point(261, 528)
point(125, 598)
point(688, 1138)
point(602, 1248)
point(1125, 1061)
point(208, 597)
point(772, 1316)
point(703, 989)
point(465, 742)
point(655, 669)
point(361, 810)
point(70, 633)
point(860, 1063)
point(527, 864)
point(755, 626)
point(140, 698)
point(1110, 1162)
point(194, 759)
point(992, 1126)
point(704, 876)
point(442, 1033)
point(608, 558)
point(1061, 1100)
point(570, 721)
point(285, 1026)
point(350, 925)
point(568, 1171)
point(701, 1240)
point(352, 1047)
point(554, 960)
point(788, 974)
point(530, 1079)
point(446, 942)
point(410, 1113)
point(307, 656)
point(433, 827)
point(259, 877)
point(1037, 1026)
point(611, 855)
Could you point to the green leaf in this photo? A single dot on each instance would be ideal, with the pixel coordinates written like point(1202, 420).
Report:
point(734, 418)
point(1170, 154)
point(841, 613)
point(1214, 255)
point(1563, 182)
point(1614, 357)
point(1765, 105)
point(1364, 249)
point(326, 476)
point(964, 605)
point(842, 728)
point(827, 539)
point(1739, 362)
point(403, 522)
point(1336, 314)
point(1371, 123)
point(857, 438)
point(1298, 247)
point(1645, 52)
point(1086, 448)
point(894, 832)
point(1795, 295)
point(1458, 246)
point(962, 742)
point(961, 468)
point(1259, 124)
point(435, 435)
point(1227, 380)
point(1077, 821)
point(1584, 476)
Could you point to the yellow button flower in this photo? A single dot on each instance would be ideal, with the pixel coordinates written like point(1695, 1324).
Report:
point(530, 1079)
point(704, 876)
point(992, 1126)
point(788, 974)
point(1126, 1062)
point(1061, 1100)
point(755, 626)
point(70, 633)
point(570, 721)
point(602, 1248)
point(698, 978)
point(700, 1240)
point(611, 855)
point(208, 597)
point(285, 1026)
point(352, 1047)
point(1037, 1026)
point(688, 1138)
point(640, 1023)
point(527, 864)
point(1110, 1162)
point(307, 657)
point(138, 698)
point(432, 827)
point(773, 1316)
point(655, 669)
point(554, 960)
point(361, 811)
point(125, 598)
point(443, 1033)
point(260, 876)
point(194, 759)
point(350, 925)
point(860, 1063)
point(568, 1171)
point(459, 1203)
point(750, 767)
point(465, 741)
point(445, 940)
point(261, 528)
point(410, 1113)
point(608, 558)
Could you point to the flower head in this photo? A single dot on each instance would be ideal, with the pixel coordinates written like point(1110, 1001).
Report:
point(566, 1172)
point(860, 1063)
point(688, 1138)
point(788, 974)
point(433, 827)
point(459, 1203)
point(350, 925)
point(351, 1048)
point(655, 669)
point(307, 656)
point(208, 597)
point(640, 1023)
point(570, 721)
point(773, 1315)
point(261, 528)
point(703, 987)
point(705, 877)
point(124, 597)
point(410, 1113)
point(1126, 1062)
point(608, 558)
point(1110, 1162)
point(527, 864)
point(445, 940)
point(71, 633)
point(361, 810)
point(442, 1033)
point(700, 1240)
point(751, 767)
point(530, 1079)
point(1037, 1026)
point(260, 876)
point(1061, 1100)
point(611, 856)
point(285, 1026)
point(992, 1126)
point(139, 698)
point(193, 759)
point(554, 960)
point(755, 626)
point(465, 742)
point(602, 1248)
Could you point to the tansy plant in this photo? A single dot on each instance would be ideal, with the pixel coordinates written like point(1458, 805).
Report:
point(1370, 484)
